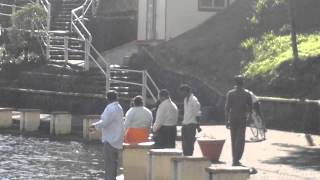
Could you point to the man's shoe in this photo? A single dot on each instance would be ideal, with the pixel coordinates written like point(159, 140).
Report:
point(236, 164)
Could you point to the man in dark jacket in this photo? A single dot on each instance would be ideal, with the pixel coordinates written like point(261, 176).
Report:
point(238, 107)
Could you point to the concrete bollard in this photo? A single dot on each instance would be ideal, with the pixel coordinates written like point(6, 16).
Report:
point(189, 168)
point(160, 163)
point(60, 123)
point(87, 121)
point(30, 119)
point(135, 160)
point(227, 173)
point(5, 117)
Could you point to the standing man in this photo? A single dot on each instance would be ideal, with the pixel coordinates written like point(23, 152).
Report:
point(237, 109)
point(112, 127)
point(166, 121)
point(190, 122)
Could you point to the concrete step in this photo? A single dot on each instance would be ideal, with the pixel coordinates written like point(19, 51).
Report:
point(60, 52)
point(71, 57)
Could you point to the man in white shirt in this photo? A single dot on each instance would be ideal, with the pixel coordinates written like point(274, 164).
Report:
point(191, 107)
point(138, 122)
point(166, 121)
point(138, 116)
point(112, 127)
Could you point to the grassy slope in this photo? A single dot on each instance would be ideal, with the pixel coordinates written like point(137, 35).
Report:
point(272, 51)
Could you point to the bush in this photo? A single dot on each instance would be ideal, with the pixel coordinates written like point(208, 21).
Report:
point(271, 51)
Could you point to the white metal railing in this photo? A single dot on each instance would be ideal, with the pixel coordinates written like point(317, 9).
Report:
point(92, 55)
point(46, 39)
point(12, 9)
point(147, 85)
point(47, 7)
point(77, 24)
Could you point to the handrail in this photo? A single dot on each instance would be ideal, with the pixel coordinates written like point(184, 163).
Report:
point(77, 16)
point(13, 9)
point(47, 7)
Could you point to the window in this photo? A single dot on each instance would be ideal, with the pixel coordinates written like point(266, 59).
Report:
point(212, 5)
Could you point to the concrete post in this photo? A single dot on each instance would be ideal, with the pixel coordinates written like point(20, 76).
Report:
point(227, 173)
point(87, 121)
point(66, 52)
point(30, 119)
point(135, 160)
point(5, 117)
point(189, 168)
point(60, 123)
point(161, 158)
point(144, 87)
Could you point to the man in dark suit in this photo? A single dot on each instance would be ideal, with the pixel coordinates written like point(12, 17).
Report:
point(237, 109)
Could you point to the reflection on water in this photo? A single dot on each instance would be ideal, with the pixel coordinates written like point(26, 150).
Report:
point(31, 158)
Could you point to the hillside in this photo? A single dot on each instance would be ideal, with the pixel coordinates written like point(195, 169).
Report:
point(211, 52)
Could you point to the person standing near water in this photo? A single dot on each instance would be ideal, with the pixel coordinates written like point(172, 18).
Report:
point(112, 128)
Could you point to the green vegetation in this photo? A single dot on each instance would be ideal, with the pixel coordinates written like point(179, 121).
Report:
point(21, 43)
point(260, 8)
point(29, 16)
point(271, 51)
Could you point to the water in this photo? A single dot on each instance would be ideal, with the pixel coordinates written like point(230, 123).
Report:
point(31, 158)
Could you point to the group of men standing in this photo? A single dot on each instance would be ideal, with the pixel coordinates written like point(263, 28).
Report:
point(164, 126)
point(167, 119)
point(238, 106)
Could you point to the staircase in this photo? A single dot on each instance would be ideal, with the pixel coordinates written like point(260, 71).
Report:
point(61, 36)
point(68, 43)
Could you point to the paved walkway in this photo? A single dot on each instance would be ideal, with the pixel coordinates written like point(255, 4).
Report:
point(283, 156)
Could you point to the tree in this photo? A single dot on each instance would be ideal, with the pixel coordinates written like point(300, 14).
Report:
point(21, 33)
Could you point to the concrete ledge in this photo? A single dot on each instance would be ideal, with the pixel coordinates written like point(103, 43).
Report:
point(60, 123)
point(144, 145)
point(161, 158)
point(228, 173)
point(135, 160)
point(87, 121)
point(30, 119)
point(5, 117)
point(189, 168)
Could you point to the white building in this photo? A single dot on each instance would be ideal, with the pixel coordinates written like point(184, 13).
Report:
point(166, 19)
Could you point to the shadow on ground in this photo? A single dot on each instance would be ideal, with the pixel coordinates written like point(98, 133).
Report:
point(298, 156)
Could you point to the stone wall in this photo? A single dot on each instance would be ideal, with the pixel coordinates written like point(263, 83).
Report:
point(211, 101)
point(291, 114)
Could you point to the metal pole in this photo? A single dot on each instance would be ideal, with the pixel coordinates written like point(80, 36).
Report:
point(49, 17)
point(86, 55)
point(13, 11)
point(144, 87)
point(66, 55)
point(293, 30)
point(48, 47)
point(107, 75)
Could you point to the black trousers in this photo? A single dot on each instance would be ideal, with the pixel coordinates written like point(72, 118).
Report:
point(110, 161)
point(166, 137)
point(237, 131)
point(188, 133)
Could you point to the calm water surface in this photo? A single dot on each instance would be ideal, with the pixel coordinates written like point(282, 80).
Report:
point(41, 158)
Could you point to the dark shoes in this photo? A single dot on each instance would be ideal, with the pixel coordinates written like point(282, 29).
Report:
point(236, 164)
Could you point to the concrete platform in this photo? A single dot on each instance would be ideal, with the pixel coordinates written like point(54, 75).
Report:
point(283, 156)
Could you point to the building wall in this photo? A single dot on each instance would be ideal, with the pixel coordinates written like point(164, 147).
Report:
point(142, 20)
point(183, 15)
point(172, 18)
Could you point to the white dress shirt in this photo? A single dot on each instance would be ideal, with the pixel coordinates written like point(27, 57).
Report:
point(138, 117)
point(167, 115)
point(191, 108)
point(112, 125)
